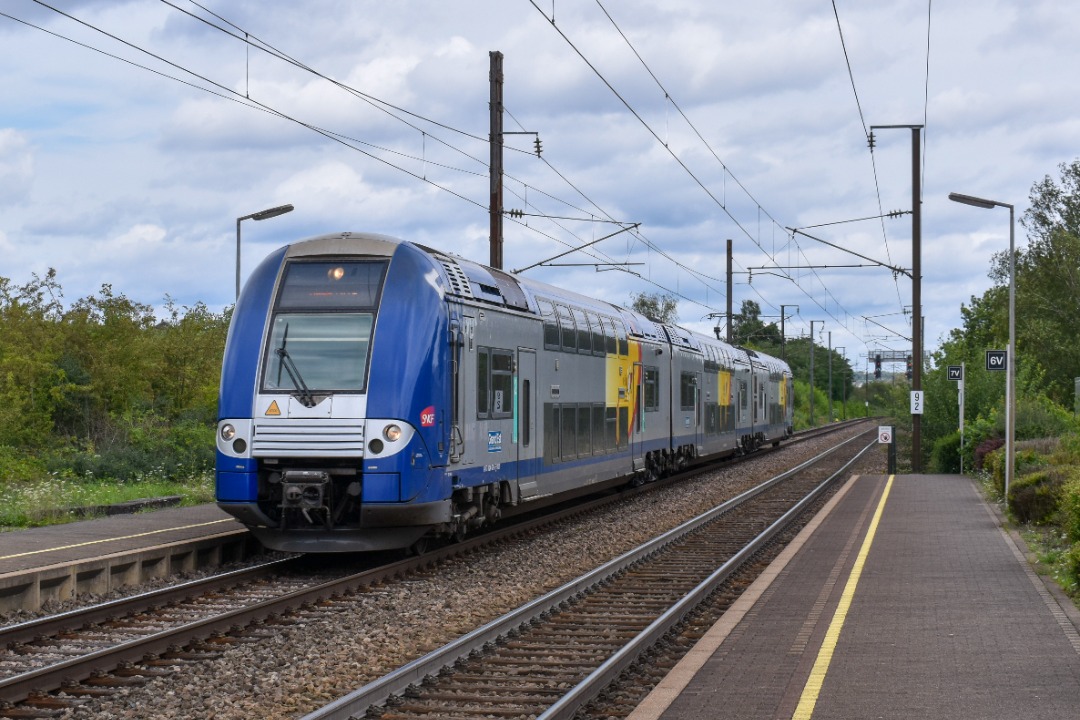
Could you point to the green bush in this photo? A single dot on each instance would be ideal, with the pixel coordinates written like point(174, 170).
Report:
point(1040, 417)
point(1069, 515)
point(146, 448)
point(16, 466)
point(945, 456)
point(1034, 497)
point(1070, 569)
point(993, 463)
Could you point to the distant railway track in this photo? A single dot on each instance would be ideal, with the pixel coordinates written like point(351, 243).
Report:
point(89, 651)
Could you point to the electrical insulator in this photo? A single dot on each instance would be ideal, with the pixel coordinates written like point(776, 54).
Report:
point(536, 142)
point(514, 213)
point(870, 139)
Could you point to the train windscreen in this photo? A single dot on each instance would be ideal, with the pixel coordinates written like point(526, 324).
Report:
point(320, 336)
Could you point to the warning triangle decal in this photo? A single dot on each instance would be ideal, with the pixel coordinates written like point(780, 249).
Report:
point(273, 409)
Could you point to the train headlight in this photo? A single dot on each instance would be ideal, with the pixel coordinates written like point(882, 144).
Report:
point(392, 433)
point(228, 432)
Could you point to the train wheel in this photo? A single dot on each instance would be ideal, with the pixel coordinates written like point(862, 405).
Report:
point(420, 546)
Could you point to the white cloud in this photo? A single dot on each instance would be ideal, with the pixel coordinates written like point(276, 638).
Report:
point(16, 167)
point(139, 241)
point(112, 174)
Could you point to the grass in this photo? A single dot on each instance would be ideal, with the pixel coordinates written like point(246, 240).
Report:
point(55, 500)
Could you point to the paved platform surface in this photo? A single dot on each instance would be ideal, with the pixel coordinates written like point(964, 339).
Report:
point(905, 599)
point(57, 544)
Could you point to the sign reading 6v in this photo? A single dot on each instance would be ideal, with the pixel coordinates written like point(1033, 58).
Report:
point(996, 360)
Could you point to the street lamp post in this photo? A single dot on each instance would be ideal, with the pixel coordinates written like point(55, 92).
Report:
point(261, 215)
point(1010, 354)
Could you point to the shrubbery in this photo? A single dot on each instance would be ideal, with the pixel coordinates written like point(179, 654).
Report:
point(105, 388)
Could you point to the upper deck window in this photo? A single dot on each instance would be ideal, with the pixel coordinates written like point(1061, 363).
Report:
point(349, 285)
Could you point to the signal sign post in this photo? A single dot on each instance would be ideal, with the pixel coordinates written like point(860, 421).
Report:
point(885, 437)
point(956, 372)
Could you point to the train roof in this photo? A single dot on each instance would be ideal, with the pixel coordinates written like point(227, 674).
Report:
point(474, 281)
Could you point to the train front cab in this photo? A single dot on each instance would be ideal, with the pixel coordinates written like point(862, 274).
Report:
point(334, 405)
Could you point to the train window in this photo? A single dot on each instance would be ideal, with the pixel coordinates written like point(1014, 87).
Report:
point(599, 446)
point(502, 383)
point(552, 432)
point(483, 383)
point(710, 359)
point(551, 325)
point(569, 432)
point(597, 331)
point(611, 428)
point(566, 326)
point(318, 351)
point(620, 333)
point(584, 337)
point(494, 383)
point(688, 391)
point(325, 285)
point(652, 389)
point(610, 342)
point(584, 430)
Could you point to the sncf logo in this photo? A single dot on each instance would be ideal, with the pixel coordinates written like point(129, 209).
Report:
point(427, 417)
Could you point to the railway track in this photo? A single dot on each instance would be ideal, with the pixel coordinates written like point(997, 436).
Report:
point(552, 656)
point(96, 650)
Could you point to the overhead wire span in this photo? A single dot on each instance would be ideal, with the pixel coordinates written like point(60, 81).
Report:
point(868, 134)
point(376, 102)
point(717, 201)
point(226, 93)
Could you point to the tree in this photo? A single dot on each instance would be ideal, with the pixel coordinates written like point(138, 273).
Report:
point(1047, 284)
point(1047, 357)
point(658, 308)
point(31, 383)
point(747, 327)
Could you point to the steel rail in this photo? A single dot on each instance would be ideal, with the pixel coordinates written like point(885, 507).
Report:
point(397, 682)
point(589, 688)
point(19, 687)
point(54, 624)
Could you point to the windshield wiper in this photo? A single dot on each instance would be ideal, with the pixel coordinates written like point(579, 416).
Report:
point(294, 373)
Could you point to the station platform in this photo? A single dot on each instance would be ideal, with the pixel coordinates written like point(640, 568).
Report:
point(904, 598)
point(61, 562)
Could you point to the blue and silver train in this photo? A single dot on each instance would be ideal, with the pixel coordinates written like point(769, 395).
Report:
point(376, 394)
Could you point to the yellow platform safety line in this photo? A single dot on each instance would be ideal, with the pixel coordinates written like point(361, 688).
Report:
point(812, 690)
point(105, 540)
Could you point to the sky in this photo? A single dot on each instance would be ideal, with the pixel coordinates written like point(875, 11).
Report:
point(134, 134)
